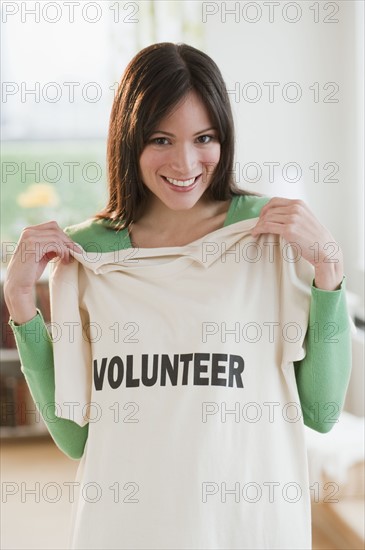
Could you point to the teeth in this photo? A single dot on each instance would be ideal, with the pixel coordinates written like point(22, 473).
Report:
point(181, 183)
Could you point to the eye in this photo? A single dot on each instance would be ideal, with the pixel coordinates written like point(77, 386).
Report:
point(156, 140)
point(206, 136)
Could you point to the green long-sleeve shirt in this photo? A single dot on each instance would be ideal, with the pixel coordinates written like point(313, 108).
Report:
point(322, 376)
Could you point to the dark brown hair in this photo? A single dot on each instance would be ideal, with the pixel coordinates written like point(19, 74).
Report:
point(153, 83)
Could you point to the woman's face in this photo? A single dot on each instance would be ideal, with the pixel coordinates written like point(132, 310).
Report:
point(184, 147)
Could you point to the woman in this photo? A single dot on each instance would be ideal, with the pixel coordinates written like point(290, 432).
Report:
point(188, 477)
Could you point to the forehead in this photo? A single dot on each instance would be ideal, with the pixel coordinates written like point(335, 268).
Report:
point(190, 106)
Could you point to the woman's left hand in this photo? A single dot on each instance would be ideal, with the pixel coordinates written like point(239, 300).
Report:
point(293, 220)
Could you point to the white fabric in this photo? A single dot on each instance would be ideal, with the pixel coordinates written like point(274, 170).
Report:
point(334, 453)
point(215, 458)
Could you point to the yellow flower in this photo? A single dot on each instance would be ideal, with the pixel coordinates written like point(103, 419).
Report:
point(38, 194)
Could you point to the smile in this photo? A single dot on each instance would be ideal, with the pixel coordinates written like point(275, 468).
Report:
point(181, 183)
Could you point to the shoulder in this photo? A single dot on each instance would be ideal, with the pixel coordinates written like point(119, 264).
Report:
point(82, 232)
point(96, 235)
point(245, 207)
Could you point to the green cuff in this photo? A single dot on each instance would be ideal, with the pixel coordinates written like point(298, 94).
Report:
point(33, 341)
point(329, 312)
point(338, 290)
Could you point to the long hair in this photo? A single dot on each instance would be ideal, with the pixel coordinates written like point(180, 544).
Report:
point(153, 83)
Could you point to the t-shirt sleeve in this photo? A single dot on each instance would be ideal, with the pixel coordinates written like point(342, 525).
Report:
point(71, 345)
point(296, 279)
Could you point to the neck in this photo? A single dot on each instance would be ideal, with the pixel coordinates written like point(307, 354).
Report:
point(159, 217)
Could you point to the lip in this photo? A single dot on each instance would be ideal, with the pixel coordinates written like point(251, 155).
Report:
point(182, 189)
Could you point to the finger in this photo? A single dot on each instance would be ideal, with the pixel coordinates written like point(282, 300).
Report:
point(268, 227)
point(281, 202)
point(284, 218)
point(35, 237)
point(74, 246)
point(276, 211)
point(55, 248)
point(275, 201)
point(52, 224)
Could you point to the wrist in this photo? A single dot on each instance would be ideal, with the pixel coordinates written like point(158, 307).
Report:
point(21, 307)
point(328, 276)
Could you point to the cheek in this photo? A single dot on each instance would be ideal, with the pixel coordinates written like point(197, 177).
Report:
point(212, 155)
point(146, 161)
point(151, 160)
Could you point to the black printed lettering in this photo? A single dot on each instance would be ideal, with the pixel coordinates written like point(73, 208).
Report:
point(236, 372)
point(170, 370)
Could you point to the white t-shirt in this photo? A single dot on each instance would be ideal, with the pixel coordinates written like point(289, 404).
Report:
point(181, 360)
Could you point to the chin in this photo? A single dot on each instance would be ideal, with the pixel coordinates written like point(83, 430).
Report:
point(183, 202)
point(181, 207)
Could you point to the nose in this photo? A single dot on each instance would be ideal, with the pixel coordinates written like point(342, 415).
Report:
point(184, 160)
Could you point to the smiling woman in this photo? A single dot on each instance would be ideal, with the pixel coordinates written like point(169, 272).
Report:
point(173, 198)
point(177, 170)
point(171, 119)
point(170, 155)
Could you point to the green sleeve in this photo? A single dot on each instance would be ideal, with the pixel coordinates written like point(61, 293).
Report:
point(323, 375)
point(36, 356)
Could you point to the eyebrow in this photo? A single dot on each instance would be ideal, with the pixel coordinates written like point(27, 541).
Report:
point(172, 135)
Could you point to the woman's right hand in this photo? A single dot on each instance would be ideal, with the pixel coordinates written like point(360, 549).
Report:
point(37, 245)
